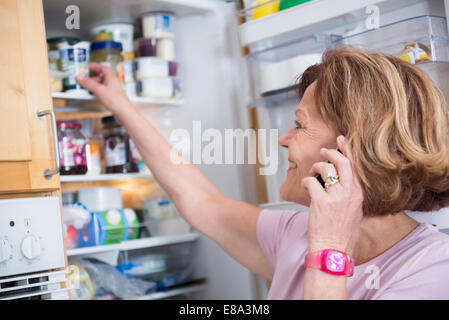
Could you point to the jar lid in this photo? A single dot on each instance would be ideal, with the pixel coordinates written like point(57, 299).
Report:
point(101, 45)
point(70, 40)
point(107, 120)
point(68, 124)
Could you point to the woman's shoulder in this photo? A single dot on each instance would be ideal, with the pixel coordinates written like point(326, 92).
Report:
point(284, 220)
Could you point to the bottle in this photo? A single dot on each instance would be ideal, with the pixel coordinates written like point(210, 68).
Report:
point(266, 9)
point(93, 154)
point(72, 148)
point(117, 150)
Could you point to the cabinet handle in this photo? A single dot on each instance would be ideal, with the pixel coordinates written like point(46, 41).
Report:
point(42, 113)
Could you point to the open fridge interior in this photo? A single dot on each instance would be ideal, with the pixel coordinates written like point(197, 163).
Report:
point(172, 263)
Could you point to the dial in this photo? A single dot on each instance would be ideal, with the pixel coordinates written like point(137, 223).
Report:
point(31, 247)
point(5, 250)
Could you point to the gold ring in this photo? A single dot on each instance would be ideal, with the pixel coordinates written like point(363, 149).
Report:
point(331, 180)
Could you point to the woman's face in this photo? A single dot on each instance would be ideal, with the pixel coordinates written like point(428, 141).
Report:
point(304, 141)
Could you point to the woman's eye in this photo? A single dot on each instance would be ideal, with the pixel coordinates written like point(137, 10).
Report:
point(298, 125)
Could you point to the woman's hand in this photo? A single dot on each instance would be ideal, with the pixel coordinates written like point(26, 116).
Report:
point(335, 212)
point(106, 86)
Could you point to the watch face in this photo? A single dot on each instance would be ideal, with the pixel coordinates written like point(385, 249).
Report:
point(335, 261)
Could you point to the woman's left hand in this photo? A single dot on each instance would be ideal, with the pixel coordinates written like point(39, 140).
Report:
point(335, 212)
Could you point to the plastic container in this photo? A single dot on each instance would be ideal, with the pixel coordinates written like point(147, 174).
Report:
point(53, 50)
point(167, 226)
point(163, 48)
point(147, 67)
point(118, 32)
point(162, 88)
point(159, 208)
point(101, 198)
point(72, 148)
point(74, 59)
point(108, 53)
point(286, 4)
point(268, 8)
point(117, 151)
point(158, 24)
point(172, 68)
point(134, 221)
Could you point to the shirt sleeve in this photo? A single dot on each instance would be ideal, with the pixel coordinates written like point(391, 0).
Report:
point(272, 227)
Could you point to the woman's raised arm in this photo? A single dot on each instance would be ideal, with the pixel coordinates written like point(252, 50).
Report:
point(230, 223)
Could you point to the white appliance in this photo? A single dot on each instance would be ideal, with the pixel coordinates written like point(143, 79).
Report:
point(31, 247)
point(217, 87)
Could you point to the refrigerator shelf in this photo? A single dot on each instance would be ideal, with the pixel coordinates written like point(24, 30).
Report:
point(173, 292)
point(135, 244)
point(105, 177)
point(80, 99)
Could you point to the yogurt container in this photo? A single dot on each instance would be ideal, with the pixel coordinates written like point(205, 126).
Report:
point(158, 24)
point(74, 59)
point(147, 67)
point(160, 88)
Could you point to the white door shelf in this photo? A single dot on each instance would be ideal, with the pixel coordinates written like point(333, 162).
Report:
point(104, 177)
point(135, 244)
point(303, 20)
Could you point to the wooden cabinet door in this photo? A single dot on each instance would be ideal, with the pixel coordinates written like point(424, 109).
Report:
point(27, 147)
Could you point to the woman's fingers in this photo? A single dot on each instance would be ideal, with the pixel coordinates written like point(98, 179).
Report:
point(90, 84)
point(98, 68)
point(343, 164)
point(311, 184)
point(324, 169)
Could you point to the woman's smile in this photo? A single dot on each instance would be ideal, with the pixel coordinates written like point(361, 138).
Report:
point(292, 165)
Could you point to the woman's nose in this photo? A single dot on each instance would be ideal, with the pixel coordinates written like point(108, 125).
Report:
point(285, 138)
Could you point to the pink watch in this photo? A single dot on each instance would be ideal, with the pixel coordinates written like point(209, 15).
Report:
point(330, 261)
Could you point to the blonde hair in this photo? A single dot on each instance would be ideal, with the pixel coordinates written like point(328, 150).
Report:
point(396, 121)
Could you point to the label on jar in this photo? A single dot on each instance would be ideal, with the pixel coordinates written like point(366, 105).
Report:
point(115, 151)
point(72, 152)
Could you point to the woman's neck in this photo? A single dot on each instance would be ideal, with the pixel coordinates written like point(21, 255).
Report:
point(375, 235)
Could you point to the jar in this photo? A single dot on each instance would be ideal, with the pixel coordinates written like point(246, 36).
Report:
point(72, 148)
point(117, 149)
point(109, 54)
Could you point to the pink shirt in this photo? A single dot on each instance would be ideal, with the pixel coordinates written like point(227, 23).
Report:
point(417, 267)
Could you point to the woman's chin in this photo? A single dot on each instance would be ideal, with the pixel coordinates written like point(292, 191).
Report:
point(293, 193)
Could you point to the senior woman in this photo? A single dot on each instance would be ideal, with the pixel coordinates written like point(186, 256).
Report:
point(390, 123)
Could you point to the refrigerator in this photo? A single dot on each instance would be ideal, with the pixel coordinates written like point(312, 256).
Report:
point(239, 73)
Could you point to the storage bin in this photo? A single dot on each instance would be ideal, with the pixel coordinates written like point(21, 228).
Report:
point(278, 68)
point(430, 31)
